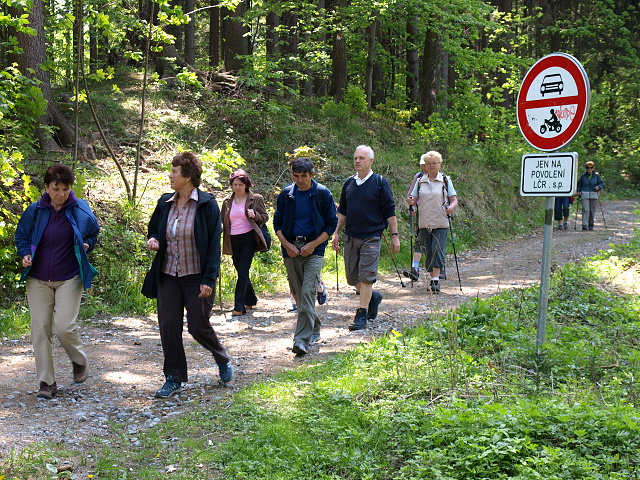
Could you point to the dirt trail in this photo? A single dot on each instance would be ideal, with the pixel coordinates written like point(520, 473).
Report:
point(125, 353)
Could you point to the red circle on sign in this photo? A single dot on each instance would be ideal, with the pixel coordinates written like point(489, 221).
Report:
point(529, 101)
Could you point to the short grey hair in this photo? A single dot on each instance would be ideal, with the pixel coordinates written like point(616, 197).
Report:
point(368, 149)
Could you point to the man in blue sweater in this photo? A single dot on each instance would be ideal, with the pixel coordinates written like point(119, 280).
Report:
point(304, 220)
point(366, 208)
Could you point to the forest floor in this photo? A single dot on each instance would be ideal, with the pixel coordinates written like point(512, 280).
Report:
point(125, 356)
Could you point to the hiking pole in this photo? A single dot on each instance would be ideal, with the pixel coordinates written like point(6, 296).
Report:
point(337, 287)
point(455, 255)
point(600, 203)
point(411, 234)
point(393, 258)
point(575, 220)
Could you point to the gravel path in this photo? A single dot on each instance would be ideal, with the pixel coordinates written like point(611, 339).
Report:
point(125, 354)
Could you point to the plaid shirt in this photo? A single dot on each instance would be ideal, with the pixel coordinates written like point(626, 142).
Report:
point(182, 252)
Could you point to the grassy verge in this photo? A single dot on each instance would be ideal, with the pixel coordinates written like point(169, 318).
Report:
point(463, 396)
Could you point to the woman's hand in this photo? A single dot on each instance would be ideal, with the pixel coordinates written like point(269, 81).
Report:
point(251, 213)
point(205, 291)
point(27, 260)
point(153, 244)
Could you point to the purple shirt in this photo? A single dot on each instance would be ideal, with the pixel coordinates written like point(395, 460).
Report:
point(55, 258)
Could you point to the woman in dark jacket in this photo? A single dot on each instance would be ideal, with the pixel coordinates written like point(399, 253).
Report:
point(243, 212)
point(53, 238)
point(589, 185)
point(184, 230)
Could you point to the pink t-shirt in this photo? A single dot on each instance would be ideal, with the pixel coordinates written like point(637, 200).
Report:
point(239, 221)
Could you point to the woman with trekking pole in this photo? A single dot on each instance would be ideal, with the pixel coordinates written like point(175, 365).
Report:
point(589, 185)
point(436, 199)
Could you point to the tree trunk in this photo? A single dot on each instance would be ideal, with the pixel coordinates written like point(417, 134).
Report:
point(372, 33)
point(235, 42)
point(429, 75)
point(190, 34)
point(34, 54)
point(289, 46)
point(214, 34)
point(413, 62)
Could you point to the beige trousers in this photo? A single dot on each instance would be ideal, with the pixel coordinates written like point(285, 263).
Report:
point(57, 302)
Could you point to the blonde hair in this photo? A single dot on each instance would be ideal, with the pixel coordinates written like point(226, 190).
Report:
point(430, 155)
point(589, 164)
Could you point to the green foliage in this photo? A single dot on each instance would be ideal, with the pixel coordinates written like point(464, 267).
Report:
point(122, 260)
point(16, 193)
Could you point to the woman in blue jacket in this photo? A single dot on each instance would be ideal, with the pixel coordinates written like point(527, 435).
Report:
point(53, 238)
point(589, 185)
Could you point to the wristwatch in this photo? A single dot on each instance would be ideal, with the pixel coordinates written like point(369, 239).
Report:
point(395, 234)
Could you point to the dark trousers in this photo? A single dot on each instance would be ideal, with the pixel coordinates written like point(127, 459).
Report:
point(174, 295)
point(244, 247)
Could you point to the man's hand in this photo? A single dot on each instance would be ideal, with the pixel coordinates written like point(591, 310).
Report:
point(395, 244)
point(335, 242)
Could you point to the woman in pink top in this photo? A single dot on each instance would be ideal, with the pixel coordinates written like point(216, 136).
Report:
point(243, 212)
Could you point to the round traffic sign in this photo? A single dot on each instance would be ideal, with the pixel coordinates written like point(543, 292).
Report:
point(553, 101)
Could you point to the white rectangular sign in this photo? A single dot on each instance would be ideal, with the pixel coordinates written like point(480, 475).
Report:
point(549, 174)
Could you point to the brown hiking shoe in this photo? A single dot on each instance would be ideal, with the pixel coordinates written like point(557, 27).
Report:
point(80, 372)
point(47, 391)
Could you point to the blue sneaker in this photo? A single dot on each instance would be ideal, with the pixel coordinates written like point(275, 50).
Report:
point(322, 296)
point(169, 388)
point(226, 372)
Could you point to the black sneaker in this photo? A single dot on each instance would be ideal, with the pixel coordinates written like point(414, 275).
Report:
point(169, 388)
point(565, 225)
point(412, 274)
point(374, 303)
point(299, 349)
point(360, 320)
point(434, 286)
point(314, 338)
point(47, 391)
point(443, 273)
point(584, 229)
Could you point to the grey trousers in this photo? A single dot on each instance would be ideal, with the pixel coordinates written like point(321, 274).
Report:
point(303, 274)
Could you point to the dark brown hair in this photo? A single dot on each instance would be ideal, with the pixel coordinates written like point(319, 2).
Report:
point(242, 176)
point(59, 173)
point(190, 166)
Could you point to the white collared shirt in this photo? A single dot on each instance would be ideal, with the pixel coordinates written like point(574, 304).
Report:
point(359, 181)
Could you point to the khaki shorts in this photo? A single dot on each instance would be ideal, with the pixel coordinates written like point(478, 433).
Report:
point(361, 256)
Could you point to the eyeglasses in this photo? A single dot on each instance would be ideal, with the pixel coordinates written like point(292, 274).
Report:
point(589, 168)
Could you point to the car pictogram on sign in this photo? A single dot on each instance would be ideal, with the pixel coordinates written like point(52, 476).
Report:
point(551, 83)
